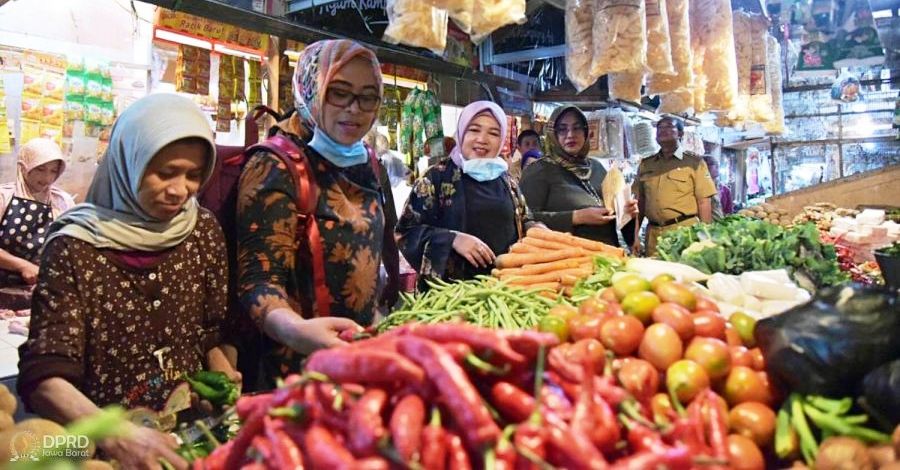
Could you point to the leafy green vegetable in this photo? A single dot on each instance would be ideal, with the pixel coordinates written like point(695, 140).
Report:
point(893, 250)
point(604, 268)
point(737, 244)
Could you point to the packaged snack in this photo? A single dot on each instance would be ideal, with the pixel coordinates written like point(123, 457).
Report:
point(495, 14)
point(659, 50)
point(619, 37)
point(682, 55)
point(460, 11)
point(579, 43)
point(773, 71)
point(53, 111)
point(31, 106)
point(416, 23)
point(712, 34)
point(626, 86)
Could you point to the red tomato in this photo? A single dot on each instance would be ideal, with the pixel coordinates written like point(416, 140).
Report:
point(712, 354)
point(740, 356)
point(676, 316)
point(588, 350)
point(743, 385)
point(732, 337)
point(685, 378)
point(566, 312)
point(753, 420)
point(706, 303)
point(775, 395)
point(660, 346)
point(614, 309)
point(709, 324)
point(592, 307)
point(639, 378)
point(582, 327)
point(758, 362)
point(622, 334)
point(609, 295)
point(743, 454)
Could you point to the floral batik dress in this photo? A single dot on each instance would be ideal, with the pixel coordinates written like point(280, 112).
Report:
point(275, 268)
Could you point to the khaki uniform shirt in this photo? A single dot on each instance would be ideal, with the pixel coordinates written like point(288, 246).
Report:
point(669, 187)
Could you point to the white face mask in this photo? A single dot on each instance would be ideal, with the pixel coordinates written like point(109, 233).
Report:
point(485, 169)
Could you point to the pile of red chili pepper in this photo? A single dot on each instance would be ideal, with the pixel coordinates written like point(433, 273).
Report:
point(458, 396)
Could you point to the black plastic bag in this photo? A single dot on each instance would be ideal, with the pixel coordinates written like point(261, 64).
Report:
point(881, 387)
point(828, 345)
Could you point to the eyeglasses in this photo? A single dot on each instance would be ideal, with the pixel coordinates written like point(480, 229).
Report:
point(562, 130)
point(345, 99)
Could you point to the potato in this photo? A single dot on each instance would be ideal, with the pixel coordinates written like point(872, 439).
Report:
point(6, 421)
point(7, 401)
point(843, 453)
point(882, 455)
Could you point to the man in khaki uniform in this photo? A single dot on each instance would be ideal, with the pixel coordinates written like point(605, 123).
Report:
point(673, 187)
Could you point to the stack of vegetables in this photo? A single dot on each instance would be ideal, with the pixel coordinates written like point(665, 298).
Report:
point(641, 375)
point(736, 244)
point(550, 260)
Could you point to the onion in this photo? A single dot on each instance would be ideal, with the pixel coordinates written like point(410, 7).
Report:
point(843, 453)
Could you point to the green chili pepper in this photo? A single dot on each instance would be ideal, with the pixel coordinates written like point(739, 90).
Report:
point(785, 437)
point(808, 444)
point(837, 425)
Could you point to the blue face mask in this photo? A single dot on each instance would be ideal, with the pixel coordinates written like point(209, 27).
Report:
point(485, 169)
point(339, 154)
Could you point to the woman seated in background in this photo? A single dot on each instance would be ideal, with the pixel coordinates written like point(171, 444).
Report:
point(562, 188)
point(465, 211)
point(28, 206)
point(132, 290)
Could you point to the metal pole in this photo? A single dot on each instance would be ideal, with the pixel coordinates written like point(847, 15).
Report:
point(840, 141)
point(772, 166)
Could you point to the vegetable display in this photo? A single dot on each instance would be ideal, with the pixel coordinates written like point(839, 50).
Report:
point(483, 301)
point(735, 244)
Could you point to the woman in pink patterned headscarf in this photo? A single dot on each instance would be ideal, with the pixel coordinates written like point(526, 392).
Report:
point(337, 90)
point(27, 207)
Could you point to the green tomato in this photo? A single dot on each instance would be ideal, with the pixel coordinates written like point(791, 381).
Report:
point(745, 325)
point(628, 283)
point(556, 325)
point(641, 305)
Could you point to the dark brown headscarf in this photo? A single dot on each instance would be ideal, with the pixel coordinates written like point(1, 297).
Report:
point(578, 164)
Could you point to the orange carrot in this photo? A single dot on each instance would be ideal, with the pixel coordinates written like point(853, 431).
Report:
point(512, 260)
point(553, 276)
point(524, 248)
point(570, 240)
point(541, 268)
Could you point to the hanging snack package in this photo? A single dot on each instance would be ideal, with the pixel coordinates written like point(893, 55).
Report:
point(773, 72)
point(53, 112)
point(712, 32)
point(626, 86)
point(495, 14)
point(743, 50)
point(416, 23)
point(462, 12)
point(680, 45)
point(679, 101)
point(31, 107)
point(760, 90)
point(659, 48)
point(619, 37)
point(579, 43)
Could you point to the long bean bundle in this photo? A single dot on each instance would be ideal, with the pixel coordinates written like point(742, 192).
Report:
point(484, 301)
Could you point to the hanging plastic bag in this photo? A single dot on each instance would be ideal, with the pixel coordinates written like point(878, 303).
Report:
point(659, 50)
point(644, 139)
point(680, 101)
point(743, 47)
point(827, 346)
point(760, 89)
point(460, 11)
point(881, 388)
point(416, 23)
point(495, 14)
point(579, 43)
point(712, 34)
point(679, 25)
point(615, 133)
point(773, 72)
point(620, 37)
point(626, 86)
point(597, 134)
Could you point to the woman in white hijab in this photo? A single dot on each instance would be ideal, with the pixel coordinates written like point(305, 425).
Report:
point(132, 291)
point(27, 207)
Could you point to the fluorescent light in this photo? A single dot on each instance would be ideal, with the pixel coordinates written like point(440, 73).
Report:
point(182, 39)
point(882, 14)
point(227, 50)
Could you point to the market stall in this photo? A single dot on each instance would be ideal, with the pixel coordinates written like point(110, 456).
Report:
point(763, 339)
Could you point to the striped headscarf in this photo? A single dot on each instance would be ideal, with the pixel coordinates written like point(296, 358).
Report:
point(315, 70)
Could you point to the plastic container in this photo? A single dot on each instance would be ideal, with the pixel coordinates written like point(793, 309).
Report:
point(890, 269)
